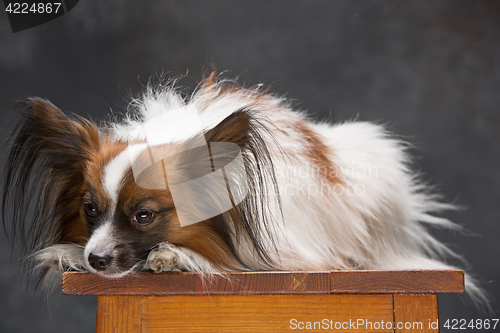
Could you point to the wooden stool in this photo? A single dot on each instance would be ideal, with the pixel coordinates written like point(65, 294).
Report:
point(352, 301)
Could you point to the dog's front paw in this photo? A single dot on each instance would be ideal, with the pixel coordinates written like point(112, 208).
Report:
point(164, 258)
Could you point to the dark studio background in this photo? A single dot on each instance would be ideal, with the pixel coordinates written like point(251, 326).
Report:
point(428, 69)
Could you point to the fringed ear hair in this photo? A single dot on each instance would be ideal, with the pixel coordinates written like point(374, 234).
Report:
point(244, 130)
point(44, 172)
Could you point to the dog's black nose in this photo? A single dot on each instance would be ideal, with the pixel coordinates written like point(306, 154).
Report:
point(100, 262)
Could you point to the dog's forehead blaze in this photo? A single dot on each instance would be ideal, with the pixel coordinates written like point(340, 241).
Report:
point(96, 166)
point(101, 172)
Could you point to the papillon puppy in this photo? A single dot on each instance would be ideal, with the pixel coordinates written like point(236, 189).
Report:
point(226, 179)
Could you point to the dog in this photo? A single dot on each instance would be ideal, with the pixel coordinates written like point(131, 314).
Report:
point(226, 179)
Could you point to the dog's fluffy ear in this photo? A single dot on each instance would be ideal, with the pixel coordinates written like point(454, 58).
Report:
point(44, 128)
point(44, 170)
point(241, 128)
point(234, 129)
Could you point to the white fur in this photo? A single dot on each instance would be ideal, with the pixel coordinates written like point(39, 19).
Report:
point(103, 241)
point(167, 257)
point(371, 222)
point(115, 171)
point(62, 257)
point(375, 220)
point(100, 243)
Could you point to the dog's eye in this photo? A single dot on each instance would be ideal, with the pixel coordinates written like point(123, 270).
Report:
point(143, 216)
point(90, 210)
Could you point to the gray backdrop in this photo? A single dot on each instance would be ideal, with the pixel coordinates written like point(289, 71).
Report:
point(428, 69)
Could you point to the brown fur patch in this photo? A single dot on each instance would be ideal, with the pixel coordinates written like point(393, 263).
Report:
point(75, 228)
point(207, 238)
point(319, 154)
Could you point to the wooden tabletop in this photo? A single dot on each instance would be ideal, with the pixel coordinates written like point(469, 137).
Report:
point(269, 283)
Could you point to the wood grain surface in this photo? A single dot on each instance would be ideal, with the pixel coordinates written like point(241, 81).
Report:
point(416, 313)
point(119, 314)
point(265, 313)
point(268, 283)
point(353, 301)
